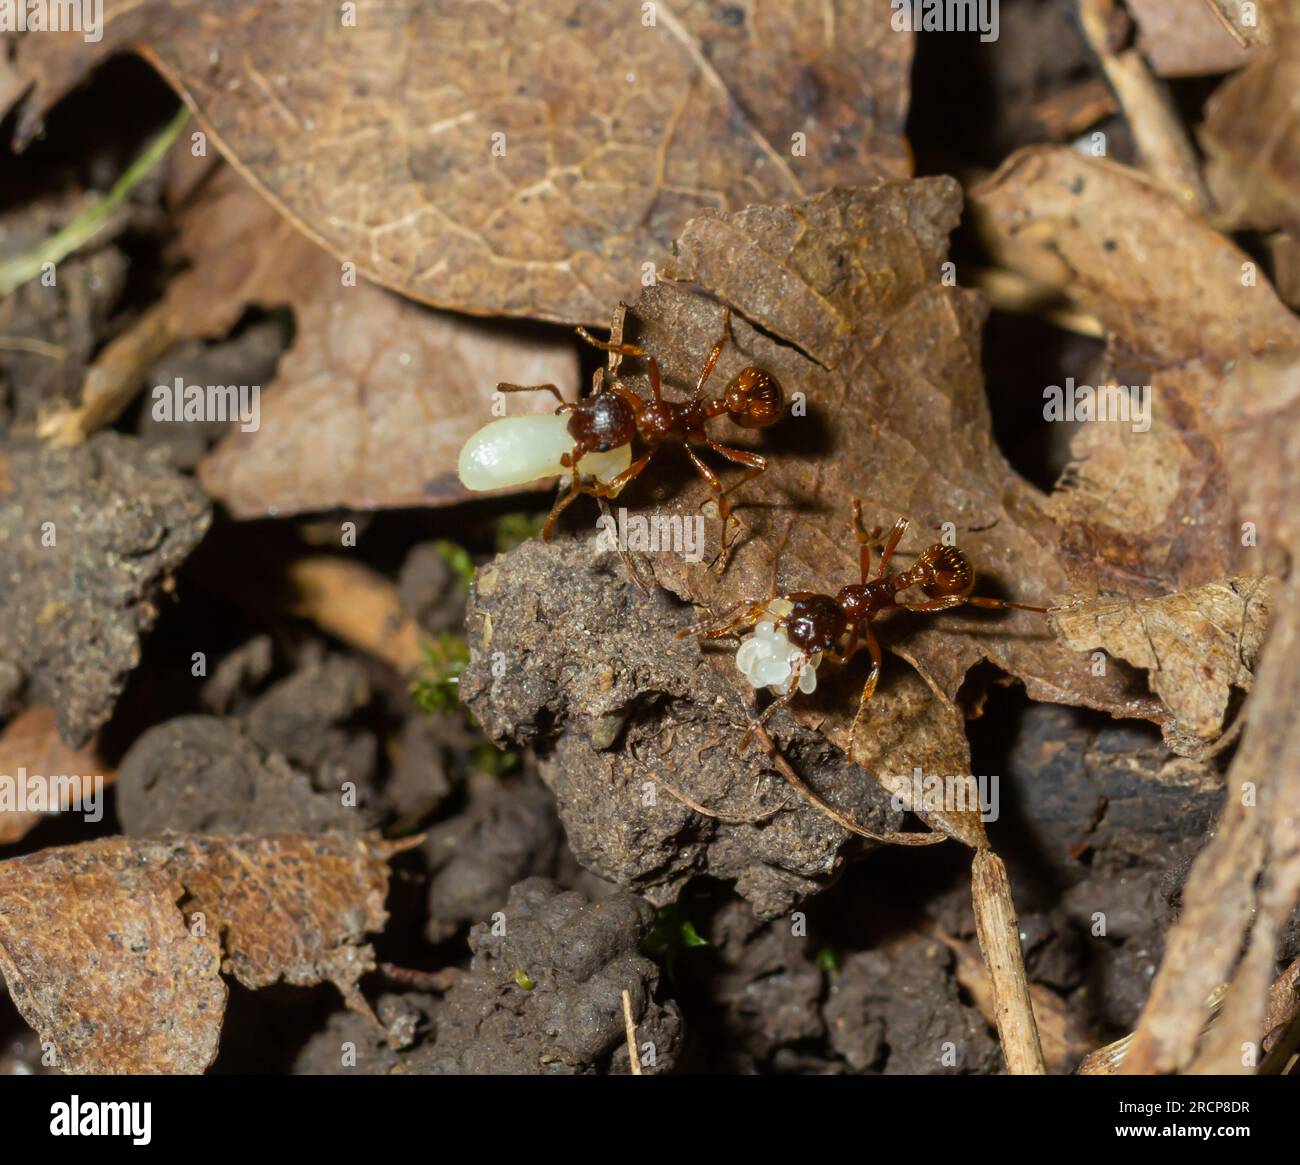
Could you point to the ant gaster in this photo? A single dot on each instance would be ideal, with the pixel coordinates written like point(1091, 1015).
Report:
point(614, 415)
point(817, 625)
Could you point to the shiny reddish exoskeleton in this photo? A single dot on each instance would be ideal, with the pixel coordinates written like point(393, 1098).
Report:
point(614, 416)
point(802, 628)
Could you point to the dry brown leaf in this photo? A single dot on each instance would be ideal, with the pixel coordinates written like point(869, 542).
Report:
point(373, 401)
point(1246, 882)
point(1197, 645)
point(1146, 511)
point(1248, 24)
point(378, 139)
point(1251, 134)
point(30, 747)
point(1183, 39)
point(103, 956)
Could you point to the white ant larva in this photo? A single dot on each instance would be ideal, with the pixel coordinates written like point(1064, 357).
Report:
point(517, 450)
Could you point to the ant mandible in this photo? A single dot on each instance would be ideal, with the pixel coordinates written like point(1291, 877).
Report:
point(796, 631)
point(615, 415)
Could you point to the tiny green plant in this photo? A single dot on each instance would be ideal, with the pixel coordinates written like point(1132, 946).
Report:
point(828, 960)
point(435, 687)
point(515, 528)
point(673, 930)
point(456, 557)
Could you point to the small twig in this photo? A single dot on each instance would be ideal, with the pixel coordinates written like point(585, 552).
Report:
point(630, 1026)
point(814, 799)
point(113, 381)
point(1162, 142)
point(998, 931)
point(33, 347)
point(690, 802)
point(439, 981)
point(1107, 1060)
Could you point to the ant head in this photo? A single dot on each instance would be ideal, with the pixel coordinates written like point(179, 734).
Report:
point(754, 399)
point(943, 571)
point(602, 422)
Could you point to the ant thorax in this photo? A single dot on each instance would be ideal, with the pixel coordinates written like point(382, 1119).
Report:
point(767, 658)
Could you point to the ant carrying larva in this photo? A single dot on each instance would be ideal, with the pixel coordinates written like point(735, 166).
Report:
point(794, 632)
point(592, 438)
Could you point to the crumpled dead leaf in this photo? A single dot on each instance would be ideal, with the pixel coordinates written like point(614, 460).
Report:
point(30, 742)
point(1197, 645)
point(1143, 512)
point(492, 158)
point(373, 401)
point(1251, 133)
point(1245, 884)
point(113, 950)
point(1185, 39)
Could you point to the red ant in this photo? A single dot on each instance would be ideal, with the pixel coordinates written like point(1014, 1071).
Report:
point(815, 625)
point(615, 415)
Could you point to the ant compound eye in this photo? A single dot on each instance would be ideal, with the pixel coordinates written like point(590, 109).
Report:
point(754, 399)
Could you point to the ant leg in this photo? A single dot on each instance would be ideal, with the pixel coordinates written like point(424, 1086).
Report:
point(868, 690)
point(614, 486)
point(894, 535)
point(767, 713)
point(716, 628)
point(560, 506)
point(864, 542)
point(536, 388)
point(949, 601)
point(849, 651)
point(712, 362)
point(755, 464)
point(720, 496)
point(608, 346)
point(943, 604)
point(1004, 604)
point(652, 364)
point(776, 556)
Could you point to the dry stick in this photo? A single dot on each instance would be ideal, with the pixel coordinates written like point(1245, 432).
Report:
point(1106, 1061)
point(33, 347)
point(630, 1026)
point(1167, 154)
point(793, 778)
point(1061, 1042)
point(998, 931)
point(995, 921)
point(113, 380)
point(357, 605)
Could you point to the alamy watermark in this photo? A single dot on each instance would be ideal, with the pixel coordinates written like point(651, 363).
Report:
point(83, 16)
point(959, 793)
point(53, 793)
point(213, 402)
point(946, 16)
point(656, 533)
point(1126, 403)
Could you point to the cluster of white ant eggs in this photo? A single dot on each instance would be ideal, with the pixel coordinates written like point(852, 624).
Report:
point(517, 450)
point(767, 658)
